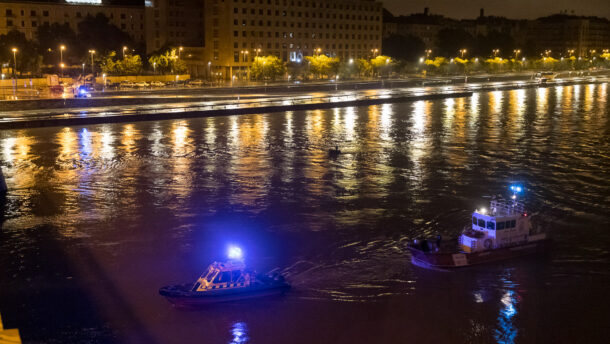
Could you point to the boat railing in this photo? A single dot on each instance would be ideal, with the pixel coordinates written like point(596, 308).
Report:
point(504, 207)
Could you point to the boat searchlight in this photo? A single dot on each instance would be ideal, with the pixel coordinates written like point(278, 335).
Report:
point(235, 253)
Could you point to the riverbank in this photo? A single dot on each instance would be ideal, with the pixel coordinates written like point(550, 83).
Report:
point(106, 110)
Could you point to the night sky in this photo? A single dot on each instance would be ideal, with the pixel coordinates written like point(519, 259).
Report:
point(529, 9)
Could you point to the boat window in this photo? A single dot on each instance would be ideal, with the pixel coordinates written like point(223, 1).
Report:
point(235, 275)
point(507, 224)
point(474, 220)
point(209, 276)
point(481, 223)
point(513, 223)
point(500, 225)
point(491, 225)
point(223, 277)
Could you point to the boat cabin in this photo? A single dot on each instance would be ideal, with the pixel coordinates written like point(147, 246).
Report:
point(505, 224)
point(228, 275)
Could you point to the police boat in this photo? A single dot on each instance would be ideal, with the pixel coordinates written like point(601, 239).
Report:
point(502, 232)
point(222, 282)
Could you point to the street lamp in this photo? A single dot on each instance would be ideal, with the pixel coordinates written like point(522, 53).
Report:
point(14, 50)
point(374, 51)
point(124, 48)
point(62, 69)
point(462, 52)
point(61, 57)
point(154, 67)
point(591, 52)
point(179, 51)
point(318, 51)
point(92, 52)
point(517, 52)
point(209, 69)
point(428, 52)
point(83, 69)
point(495, 52)
point(257, 51)
point(547, 53)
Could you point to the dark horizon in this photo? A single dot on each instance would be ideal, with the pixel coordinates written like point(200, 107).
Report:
point(516, 9)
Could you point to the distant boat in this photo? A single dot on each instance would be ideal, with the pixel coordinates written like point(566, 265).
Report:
point(334, 151)
point(503, 232)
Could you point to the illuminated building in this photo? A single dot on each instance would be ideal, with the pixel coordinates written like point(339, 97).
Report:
point(238, 30)
point(26, 16)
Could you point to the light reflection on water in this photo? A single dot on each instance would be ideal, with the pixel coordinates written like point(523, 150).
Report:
point(150, 202)
point(239, 331)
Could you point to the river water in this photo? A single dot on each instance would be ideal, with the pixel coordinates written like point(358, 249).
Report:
point(99, 217)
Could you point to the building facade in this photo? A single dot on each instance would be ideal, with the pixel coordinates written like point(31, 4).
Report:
point(26, 16)
point(174, 23)
point(236, 31)
point(563, 33)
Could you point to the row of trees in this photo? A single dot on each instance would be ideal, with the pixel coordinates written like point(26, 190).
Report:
point(319, 66)
point(165, 62)
point(442, 65)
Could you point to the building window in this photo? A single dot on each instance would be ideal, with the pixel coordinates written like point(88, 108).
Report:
point(33, 13)
point(9, 12)
point(9, 22)
point(236, 56)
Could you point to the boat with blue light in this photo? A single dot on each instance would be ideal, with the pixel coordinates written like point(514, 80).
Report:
point(502, 232)
point(223, 282)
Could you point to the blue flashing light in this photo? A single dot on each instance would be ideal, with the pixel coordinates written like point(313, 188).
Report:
point(235, 252)
point(516, 188)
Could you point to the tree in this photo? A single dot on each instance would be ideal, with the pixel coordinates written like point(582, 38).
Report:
point(129, 65)
point(382, 64)
point(364, 67)
point(167, 62)
point(96, 32)
point(27, 56)
point(323, 65)
point(408, 48)
point(51, 37)
point(496, 64)
point(267, 67)
point(435, 66)
point(451, 41)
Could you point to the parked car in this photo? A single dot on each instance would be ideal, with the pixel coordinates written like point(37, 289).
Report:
point(142, 84)
point(157, 84)
point(127, 83)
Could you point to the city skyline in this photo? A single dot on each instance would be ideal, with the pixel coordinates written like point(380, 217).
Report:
point(516, 9)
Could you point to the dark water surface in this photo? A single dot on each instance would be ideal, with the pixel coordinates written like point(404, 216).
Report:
point(99, 217)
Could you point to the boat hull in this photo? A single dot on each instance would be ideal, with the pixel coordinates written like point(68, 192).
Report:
point(449, 260)
point(181, 297)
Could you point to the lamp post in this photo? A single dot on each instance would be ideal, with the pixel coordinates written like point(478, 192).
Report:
point(83, 69)
point(209, 70)
point(374, 51)
point(61, 58)
point(495, 52)
point(517, 52)
point(318, 51)
point(428, 52)
point(257, 51)
point(14, 50)
point(462, 52)
point(124, 48)
point(155, 68)
point(92, 52)
point(179, 51)
point(547, 53)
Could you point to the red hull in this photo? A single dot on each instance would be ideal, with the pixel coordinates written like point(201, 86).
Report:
point(460, 259)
